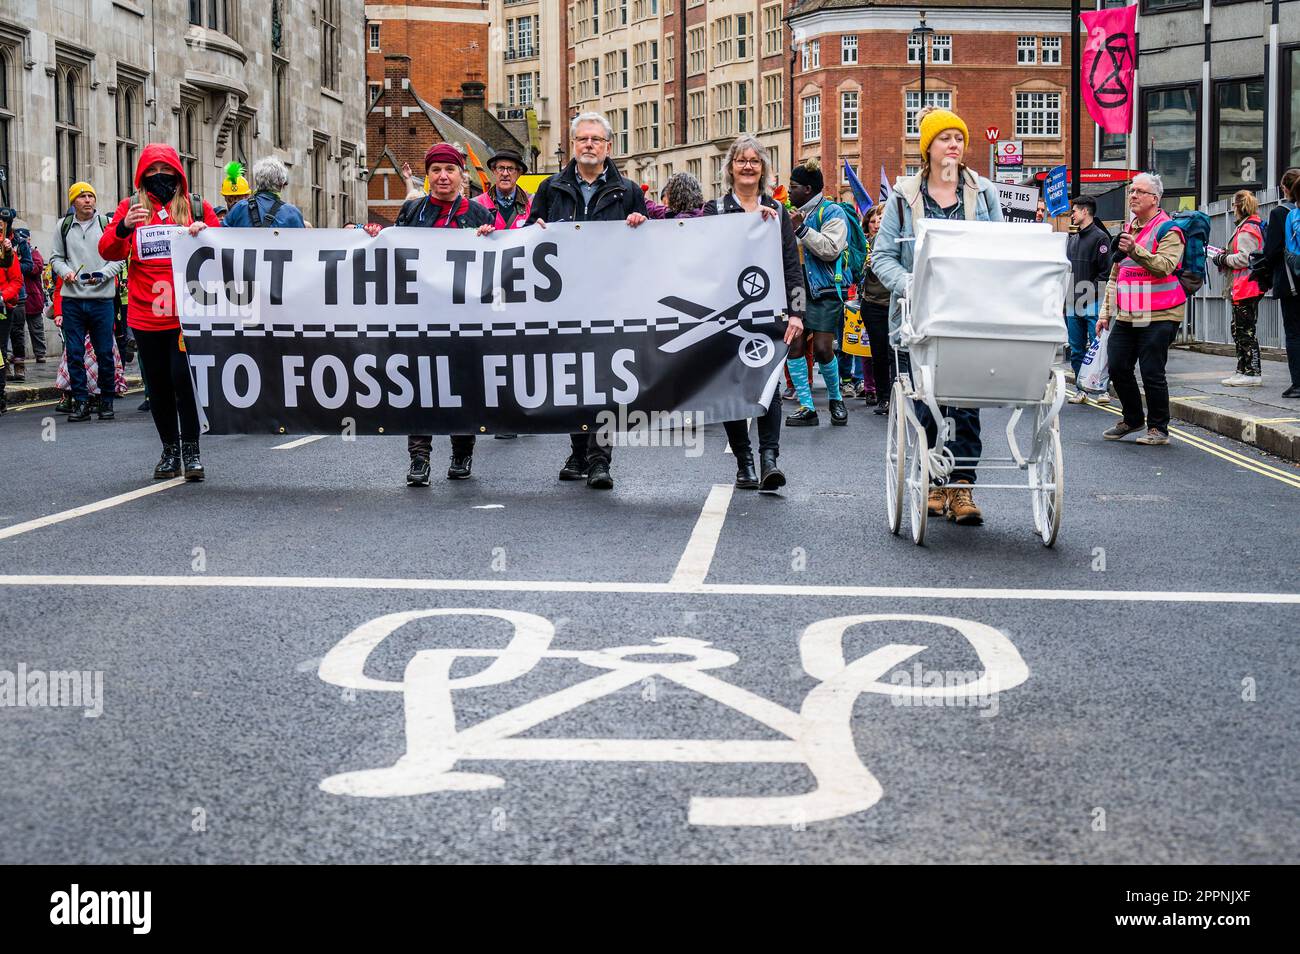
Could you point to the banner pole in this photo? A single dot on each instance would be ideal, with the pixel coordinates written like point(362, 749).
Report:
point(1076, 123)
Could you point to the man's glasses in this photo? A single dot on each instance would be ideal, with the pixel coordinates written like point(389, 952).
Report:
point(585, 140)
point(1133, 192)
point(507, 170)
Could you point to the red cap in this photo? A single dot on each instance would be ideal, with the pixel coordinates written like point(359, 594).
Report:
point(443, 153)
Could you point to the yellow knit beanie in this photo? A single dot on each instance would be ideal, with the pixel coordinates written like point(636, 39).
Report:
point(935, 122)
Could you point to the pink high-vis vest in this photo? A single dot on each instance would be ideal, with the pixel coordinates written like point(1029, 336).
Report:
point(1242, 286)
point(1137, 291)
point(487, 202)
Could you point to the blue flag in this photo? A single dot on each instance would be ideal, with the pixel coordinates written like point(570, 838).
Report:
point(885, 191)
point(1055, 192)
point(861, 197)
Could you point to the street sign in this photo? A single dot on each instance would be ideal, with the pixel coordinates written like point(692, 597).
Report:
point(991, 133)
point(1097, 175)
point(1010, 152)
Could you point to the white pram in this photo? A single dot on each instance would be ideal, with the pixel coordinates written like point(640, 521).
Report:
point(982, 325)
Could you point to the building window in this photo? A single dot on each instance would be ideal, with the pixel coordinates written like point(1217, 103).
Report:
point(1026, 50)
point(188, 142)
point(1038, 114)
point(1239, 121)
point(914, 45)
point(811, 55)
point(347, 175)
point(69, 155)
point(329, 44)
point(697, 58)
point(772, 29)
point(668, 55)
point(849, 114)
point(524, 47)
point(1290, 117)
point(716, 166)
point(8, 119)
point(1111, 147)
point(374, 36)
point(911, 169)
point(670, 122)
point(654, 60)
point(280, 101)
point(696, 116)
point(939, 98)
point(941, 48)
point(848, 49)
point(620, 117)
point(773, 101)
point(812, 118)
point(525, 89)
point(722, 116)
point(375, 89)
point(319, 154)
point(1170, 130)
point(213, 14)
point(127, 109)
point(241, 143)
point(510, 90)
point(1051, 51)
point(696, 168)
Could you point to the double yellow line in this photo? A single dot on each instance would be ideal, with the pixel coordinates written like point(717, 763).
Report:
point(1291, 478)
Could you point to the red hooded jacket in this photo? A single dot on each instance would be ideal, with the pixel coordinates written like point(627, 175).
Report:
point(151, 299)
point(11, 281)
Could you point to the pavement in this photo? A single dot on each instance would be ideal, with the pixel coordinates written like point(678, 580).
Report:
point(39, 383)
point(303, 660)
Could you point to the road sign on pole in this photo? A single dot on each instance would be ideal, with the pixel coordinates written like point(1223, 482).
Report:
point(991, 133)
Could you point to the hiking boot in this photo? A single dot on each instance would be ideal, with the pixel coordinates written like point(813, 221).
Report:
point(1153, 436)
point(460, 466)
point(598, 477)
point(772, 479)
point(848, 389)
point(575, 468)
point(80, 412)
point(169, 464)
point(937, 502)
point(418, 474)
point(1119, 431)
point(106, 411)
point(961, 508)
point(192, 466)
point(746, 476)
point(804, 417)
point(839, 413)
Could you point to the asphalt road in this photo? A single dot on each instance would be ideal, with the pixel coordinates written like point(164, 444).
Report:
point(1142, 710)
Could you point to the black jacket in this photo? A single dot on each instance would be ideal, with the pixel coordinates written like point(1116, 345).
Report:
point(1275, 250)
point(1089, 252)
point(790, 263)
point(419, 213)
point(559, 199)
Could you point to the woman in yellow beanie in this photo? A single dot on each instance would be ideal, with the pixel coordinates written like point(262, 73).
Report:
point(944, 189)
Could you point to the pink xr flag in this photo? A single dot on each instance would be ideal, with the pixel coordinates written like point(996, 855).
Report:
point(1106, 72)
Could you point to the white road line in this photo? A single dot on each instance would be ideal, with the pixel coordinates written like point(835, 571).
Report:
point(693, 567)
point(299, 442)
point(669, 589)
point(98, 505)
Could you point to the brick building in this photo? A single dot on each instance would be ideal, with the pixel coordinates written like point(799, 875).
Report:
point(857, 81)
point(447, 40)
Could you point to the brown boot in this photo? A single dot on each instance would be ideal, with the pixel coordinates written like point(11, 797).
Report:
point(961, 508)
point(937, 502)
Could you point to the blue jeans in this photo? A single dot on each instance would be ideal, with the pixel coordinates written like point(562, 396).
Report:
point(94, 317)
point(1082, 331)
point(964, 441)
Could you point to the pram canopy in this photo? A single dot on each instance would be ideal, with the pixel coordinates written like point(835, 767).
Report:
point(991, 280)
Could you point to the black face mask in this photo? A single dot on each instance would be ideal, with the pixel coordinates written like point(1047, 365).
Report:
point(160, 185)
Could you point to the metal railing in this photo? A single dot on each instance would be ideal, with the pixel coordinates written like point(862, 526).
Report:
point(1210, 317)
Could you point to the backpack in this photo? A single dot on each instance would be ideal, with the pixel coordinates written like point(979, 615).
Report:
point(65, 225)
point(255, 215)
point(849, 265)
point(1195, 226)
point(1292, 236)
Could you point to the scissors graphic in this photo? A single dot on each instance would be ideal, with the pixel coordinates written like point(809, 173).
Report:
point(755, 350)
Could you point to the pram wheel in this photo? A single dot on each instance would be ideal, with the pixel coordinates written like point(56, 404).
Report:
point(895, 460)
point(918, 480)
point(1047, 487)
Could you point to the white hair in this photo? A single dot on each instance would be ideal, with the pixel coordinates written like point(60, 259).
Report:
point(270, 174)
point(591, 117)
point(1153, 181)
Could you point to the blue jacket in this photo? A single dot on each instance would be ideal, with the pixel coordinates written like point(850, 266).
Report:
point(820, 272)
point(891, 251)
point(239, 218)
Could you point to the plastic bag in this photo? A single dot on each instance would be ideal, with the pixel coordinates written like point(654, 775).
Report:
point(1094, 372)
point(855, 339)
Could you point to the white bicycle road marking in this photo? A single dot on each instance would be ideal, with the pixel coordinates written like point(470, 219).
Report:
point(89, 508)
point(819, 736)
point(634, 588)
point(694, 564)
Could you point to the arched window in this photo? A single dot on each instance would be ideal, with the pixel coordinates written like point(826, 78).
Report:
point(189, 143)
point(68, 151)
point(129, 95)
point(8, 102)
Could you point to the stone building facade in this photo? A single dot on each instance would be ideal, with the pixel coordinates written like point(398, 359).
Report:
point(87, 83)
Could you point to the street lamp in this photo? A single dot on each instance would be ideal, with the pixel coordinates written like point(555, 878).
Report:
point(923, 31)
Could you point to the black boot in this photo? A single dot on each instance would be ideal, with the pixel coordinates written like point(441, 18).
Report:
point(804, 417)
point(169, 464)
point(598, 476)
point(190, 458)
point(839, 413)
point(575, 468)
point(80, 412)
point(746, 476)
point(882, 406)
point(106, 411)
point(772, 478)
point(418, 474)
point(460, 466)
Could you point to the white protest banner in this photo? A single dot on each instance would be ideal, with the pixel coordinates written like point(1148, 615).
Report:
point(443, 331)
point(1019, 203)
